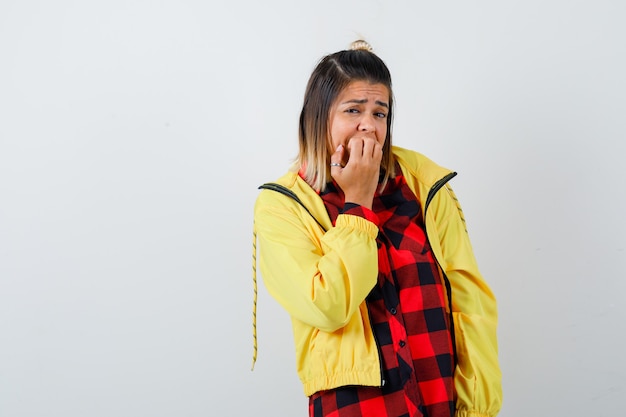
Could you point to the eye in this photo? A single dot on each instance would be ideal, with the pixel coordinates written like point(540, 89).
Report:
point(353, 110)
point(380, 115)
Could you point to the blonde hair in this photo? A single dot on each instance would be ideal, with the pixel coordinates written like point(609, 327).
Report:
point(333, 73)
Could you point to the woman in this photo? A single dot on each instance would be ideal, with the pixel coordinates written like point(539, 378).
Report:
point(365, 246)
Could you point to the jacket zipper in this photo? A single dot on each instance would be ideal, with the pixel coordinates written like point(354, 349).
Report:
point(431, 194)
point(436, 187)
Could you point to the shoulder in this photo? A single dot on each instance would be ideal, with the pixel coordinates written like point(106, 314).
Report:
point(419, 166)
point(269, 199)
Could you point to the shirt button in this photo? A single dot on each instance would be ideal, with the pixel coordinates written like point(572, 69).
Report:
point(393, 311)
point(402, 343)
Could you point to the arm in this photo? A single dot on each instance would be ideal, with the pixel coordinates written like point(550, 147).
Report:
point(477, 376)
point(319, 278)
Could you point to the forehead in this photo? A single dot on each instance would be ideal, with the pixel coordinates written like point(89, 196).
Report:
point(362, 90)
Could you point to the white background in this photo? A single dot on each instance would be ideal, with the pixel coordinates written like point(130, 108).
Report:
point(133, 135)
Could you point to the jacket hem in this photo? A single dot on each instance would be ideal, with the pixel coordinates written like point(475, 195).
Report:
point(471, 413)
point(327, 382)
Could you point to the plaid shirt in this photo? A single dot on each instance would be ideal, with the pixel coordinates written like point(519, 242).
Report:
point(407, 313)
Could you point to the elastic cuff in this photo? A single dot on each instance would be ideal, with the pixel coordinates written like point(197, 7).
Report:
point(357, 223)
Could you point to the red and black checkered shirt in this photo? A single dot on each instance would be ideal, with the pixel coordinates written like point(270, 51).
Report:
point(408, 316)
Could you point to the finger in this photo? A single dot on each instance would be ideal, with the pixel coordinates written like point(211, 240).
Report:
point(369, 147)
point(355, 146)
point(337, 157)
point(378, 150)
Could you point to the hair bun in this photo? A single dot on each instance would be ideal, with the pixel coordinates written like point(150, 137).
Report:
point(361, 45)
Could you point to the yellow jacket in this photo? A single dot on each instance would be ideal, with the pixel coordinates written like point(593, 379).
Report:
point(322, 279)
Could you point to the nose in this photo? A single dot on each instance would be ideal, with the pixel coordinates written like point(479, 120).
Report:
point(366, 123)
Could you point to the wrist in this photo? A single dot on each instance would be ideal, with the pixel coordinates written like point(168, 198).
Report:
point(363, 202)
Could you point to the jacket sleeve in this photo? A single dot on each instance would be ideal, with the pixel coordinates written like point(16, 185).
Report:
point(477, 376)
point(319, 278)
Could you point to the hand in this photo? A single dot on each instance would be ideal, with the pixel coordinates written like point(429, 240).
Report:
point(358, 177)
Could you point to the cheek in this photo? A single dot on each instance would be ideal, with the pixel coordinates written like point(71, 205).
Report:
point(382, 135)
point(340, 132)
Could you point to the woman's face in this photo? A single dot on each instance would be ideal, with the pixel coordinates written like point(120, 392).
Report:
point(360, 111)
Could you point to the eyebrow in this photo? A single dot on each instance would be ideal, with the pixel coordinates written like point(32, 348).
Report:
point(363, 101)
